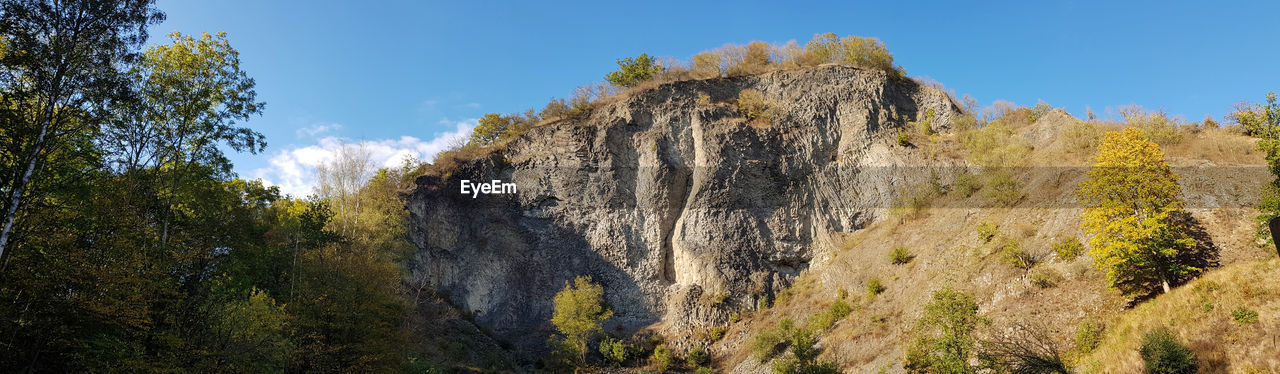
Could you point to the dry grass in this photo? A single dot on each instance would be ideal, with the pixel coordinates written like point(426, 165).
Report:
point(1199, 314)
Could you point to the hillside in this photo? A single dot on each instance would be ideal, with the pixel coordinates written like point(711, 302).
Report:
point(699, 222)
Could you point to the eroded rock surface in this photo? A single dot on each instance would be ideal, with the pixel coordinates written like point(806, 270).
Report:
point(683, 212)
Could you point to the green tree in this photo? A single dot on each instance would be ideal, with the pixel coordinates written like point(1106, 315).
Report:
point(944, 339)
point(1262, 121)
point(579, 313)
point(490, 127)
point(1162, 353)
point(62, 77)
point(633, 71)
point(1131, 208)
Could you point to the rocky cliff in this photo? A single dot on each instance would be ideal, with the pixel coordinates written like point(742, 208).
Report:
point(679, 207)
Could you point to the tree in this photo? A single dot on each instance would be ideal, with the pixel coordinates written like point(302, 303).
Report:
point(579, 313)
point(339, 181)
point(60, 75)
point(944, 338)
point(490, 127)
point(194, 92)
point(1263, 122)
point(633, 71)
point(1131, 208)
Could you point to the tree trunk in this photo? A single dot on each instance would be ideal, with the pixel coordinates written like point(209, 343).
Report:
point(15, 196)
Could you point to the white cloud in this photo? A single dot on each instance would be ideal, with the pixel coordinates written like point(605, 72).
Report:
point(317, 129)
point(293, 169)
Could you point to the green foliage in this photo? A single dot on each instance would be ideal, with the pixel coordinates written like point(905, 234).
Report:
point(1045, 278)
point(662, 358)
point(1262, 121)
point(494, 126)
point(633, 71)
point(1132, 205)
point(1089, 335)
point(804, 357)
point(770, 342)
point(1002, 190)
point(1164, 355)
point(1068, 249)
point(838, 310)
point(943, 337)
point(900, 256)
point(718, 332)
point(614, 351)
point(1011, 252)
point(697, 356)
point(579, 313)
point(966, 184)
point(255, 335)
point(874, 287)
point(987, 231)
point(994, 146)
point(904, 139)
point(1243, 315)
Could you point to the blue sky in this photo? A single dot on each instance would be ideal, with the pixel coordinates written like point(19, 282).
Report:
point(406, 75)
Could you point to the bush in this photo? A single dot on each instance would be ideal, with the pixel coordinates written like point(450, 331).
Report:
point(772, 341)
point(874, 287)
point(614, 351)
point(1012, 253)
point(633, 71)
point(579, 312)
point(1068, 249)
point(1243, 315)
point(1024, 348)
point(753, 105)
point(1002, 190)
point(1089, 336)
point(899, 255)
point(987, 231)
point(1045, 278)
point(966, 184)
point(943, 337)
point(1164, 355)
point(904, 139)
point(697, 356)
point(703, 99)
point(662, 358)
point(717, 333)
point(824, 320)
point(841, 294)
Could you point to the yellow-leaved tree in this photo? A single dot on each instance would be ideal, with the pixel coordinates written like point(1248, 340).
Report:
point(579, 312)
point(1132, 211)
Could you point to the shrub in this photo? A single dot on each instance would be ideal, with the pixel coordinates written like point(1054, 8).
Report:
point(1164, 355)
point(904, 139)
point(633, 71)
point(841, 294)
point(494, 126)
point(1158, 125)
point(1002, 190)
point(1089, 336)
point(703, 99)
point(874, 287)
point(755, 60)
point(717, 333)
point(1024, 348)
point(614, 351)
point(704, 370)
point(824, 320)
point(966, 184)
point(987, 231)
point(697, 356)
point(1068, 249)
point(899, 255)
point(1045, 278)
point(707, 65)
point(925, 126)
point(1012, 253)
point(662, 358)
point(943, 337)
point(1243, 315)
point(735, 317)
point(853, 50)
point(772, 341)
point(753, 105)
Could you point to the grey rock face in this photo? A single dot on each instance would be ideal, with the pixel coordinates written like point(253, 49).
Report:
point(683, 212)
